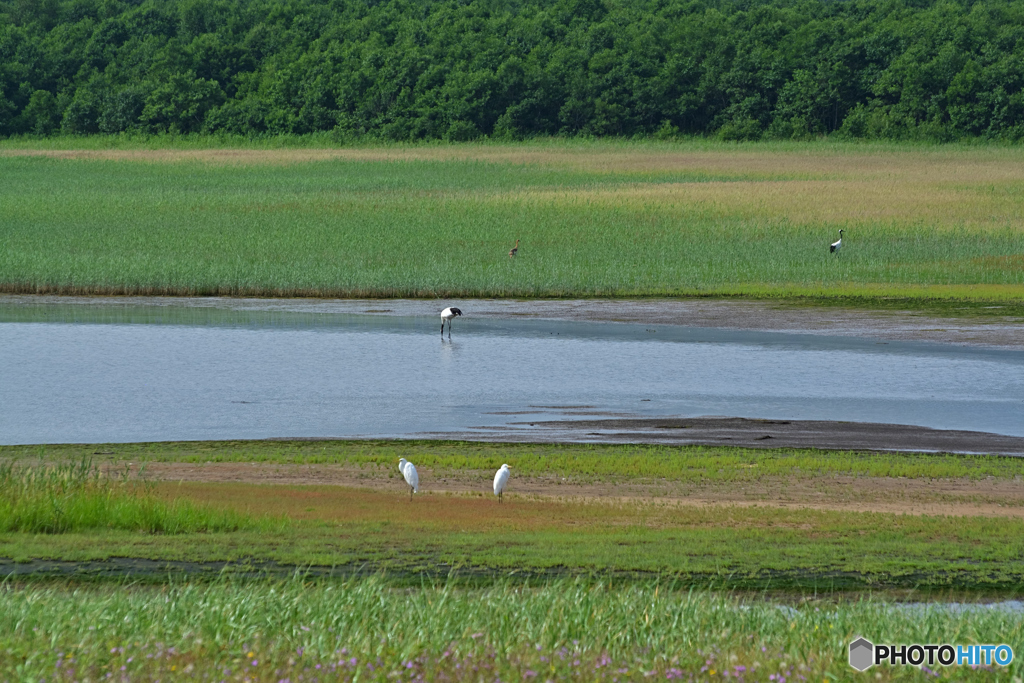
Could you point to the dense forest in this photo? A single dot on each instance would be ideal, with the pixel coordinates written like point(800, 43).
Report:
point(459, 70)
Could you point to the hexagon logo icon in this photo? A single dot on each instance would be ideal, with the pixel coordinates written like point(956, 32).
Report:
point(862, 654)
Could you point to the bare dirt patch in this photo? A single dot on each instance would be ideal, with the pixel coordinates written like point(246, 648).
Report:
point(962, 497)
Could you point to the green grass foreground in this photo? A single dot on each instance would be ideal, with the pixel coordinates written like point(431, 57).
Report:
point(366, 630)
point(595, 219)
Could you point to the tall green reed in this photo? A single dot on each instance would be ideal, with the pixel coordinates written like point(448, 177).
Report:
point(440, 228)
point(76, 496)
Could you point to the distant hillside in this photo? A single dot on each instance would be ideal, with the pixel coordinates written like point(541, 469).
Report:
point(447, 69)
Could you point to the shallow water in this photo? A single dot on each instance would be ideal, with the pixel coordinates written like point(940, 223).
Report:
point(117, 372)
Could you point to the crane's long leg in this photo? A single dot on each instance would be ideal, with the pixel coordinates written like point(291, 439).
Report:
point(442, 328)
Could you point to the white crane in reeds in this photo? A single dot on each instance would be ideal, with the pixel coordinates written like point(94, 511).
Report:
point(837, 245)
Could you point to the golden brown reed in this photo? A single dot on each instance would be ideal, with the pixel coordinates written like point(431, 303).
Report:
point(843, 185)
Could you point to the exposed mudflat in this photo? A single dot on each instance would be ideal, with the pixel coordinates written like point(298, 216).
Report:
point(748, 433)
point(770, 316)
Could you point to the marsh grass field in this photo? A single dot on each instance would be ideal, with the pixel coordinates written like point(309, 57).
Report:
point(595, 219)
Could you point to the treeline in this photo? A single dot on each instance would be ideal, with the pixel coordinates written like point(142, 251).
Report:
point(459, 70)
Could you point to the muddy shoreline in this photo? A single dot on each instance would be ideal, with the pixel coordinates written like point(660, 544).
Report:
point(749, 433)
point(733, 314)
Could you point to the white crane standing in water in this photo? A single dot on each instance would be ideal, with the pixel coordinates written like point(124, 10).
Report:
point(500, 480)
point(446, 316)
point(408, 471)
point(837, 245)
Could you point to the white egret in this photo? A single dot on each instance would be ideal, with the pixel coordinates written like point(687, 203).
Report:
point(408, 471)
point(500, 480)
point(837, 245)
point(447, 315)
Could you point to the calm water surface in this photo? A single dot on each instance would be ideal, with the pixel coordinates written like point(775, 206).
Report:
point(122, 373)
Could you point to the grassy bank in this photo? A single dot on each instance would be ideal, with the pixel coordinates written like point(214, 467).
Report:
point(584, 462)
point(754, 545)
point(599, 219)
point(363, 630)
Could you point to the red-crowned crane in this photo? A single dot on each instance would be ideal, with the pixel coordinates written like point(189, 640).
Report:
point(837, 245)
point(408, 471)
point(446, 316)
point(500, 480)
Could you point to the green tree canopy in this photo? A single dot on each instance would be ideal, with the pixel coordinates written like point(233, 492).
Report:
point(458, 69)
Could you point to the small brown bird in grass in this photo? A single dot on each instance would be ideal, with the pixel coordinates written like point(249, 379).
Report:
point(514, 250)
